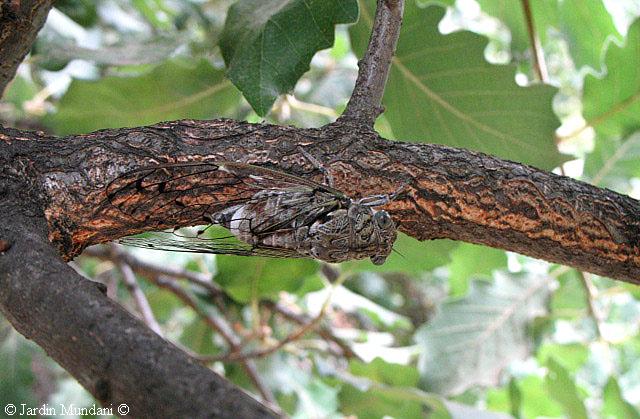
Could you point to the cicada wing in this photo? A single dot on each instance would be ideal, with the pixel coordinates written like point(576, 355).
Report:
point(194, 191)
point(219, 246)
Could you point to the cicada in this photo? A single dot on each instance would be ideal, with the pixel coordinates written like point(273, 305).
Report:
point(271, 213)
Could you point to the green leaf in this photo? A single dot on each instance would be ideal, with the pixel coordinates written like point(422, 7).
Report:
point(16, 94)
point(16, 385)
point(442, 90)
point(586, 25)
point(386, 390)
point(512, 15)
point(470, 260)
point(561, 387)
point(198, 337)
point(535, 402)
point(173, 90)
point(410, 256)
point(268, 44)
point(163, 303)
point(246, 278)
point(82, 11)
point(571, 356)
point(612, 104)
point(312, 397)
point(613, 162)
point(471, 340)
point(384, 372)
point(615, 406)
point(570, 299)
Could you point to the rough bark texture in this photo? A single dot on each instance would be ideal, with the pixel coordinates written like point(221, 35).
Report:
point(20, 21)
point(450, 193)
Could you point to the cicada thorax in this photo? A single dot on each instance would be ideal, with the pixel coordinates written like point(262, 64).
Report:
point(351, 233)
point(279, 218)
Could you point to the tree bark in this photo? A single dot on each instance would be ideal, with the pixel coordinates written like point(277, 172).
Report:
point(20, 21)
point(448, 193)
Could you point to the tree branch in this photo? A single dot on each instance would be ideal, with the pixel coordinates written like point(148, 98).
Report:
point(365, 103)
point(20, 21)
point(450, 193)
point(220, 326)
point(142, 305)
point(539, 65)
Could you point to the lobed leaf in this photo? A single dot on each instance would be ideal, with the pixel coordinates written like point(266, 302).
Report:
point(442, 90)
point(612, 104)
point(471, 340)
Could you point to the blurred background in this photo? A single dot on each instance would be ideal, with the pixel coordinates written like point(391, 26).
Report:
point(445, 329)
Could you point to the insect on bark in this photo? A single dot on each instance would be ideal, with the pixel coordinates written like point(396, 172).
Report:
point(269, 212)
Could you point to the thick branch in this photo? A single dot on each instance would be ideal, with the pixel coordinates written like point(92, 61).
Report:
point(116, 357)
point(20, 21)
point(365, 103)
point(451, 193)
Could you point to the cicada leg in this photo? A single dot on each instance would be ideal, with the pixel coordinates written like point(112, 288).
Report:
point(328, 178)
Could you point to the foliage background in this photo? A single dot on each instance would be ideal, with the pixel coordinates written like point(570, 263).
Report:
point(443, 328)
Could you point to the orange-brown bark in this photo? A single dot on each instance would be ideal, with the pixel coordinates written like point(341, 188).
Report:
point(449, 193)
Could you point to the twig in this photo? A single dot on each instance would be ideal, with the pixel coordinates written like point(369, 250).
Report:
point(305, 320)
point(365, 103)
point(591, 294)
point(237, 355)
point(142, 304)
point(310, 107)
point(222, 328)
point(147, 269)
point(539, 64)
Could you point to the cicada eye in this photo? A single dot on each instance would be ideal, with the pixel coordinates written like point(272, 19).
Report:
point(383, 219)
point(378, 259)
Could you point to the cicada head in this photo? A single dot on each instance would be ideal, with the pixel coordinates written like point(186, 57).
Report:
point(386, 235)
point(373, 233)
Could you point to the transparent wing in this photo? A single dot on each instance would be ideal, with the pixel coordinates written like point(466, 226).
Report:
point(219, 245)
point(197, 190)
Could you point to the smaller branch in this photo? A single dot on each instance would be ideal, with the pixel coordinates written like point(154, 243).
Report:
point(591, 295)
point(223, 329)
point(260, 353)
point(141, 302)
point(365, 103)
point(539, 64)
point(310, 107)
point(325, 332)
point(147, 269)
point(163, 276)
point(296, 335)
